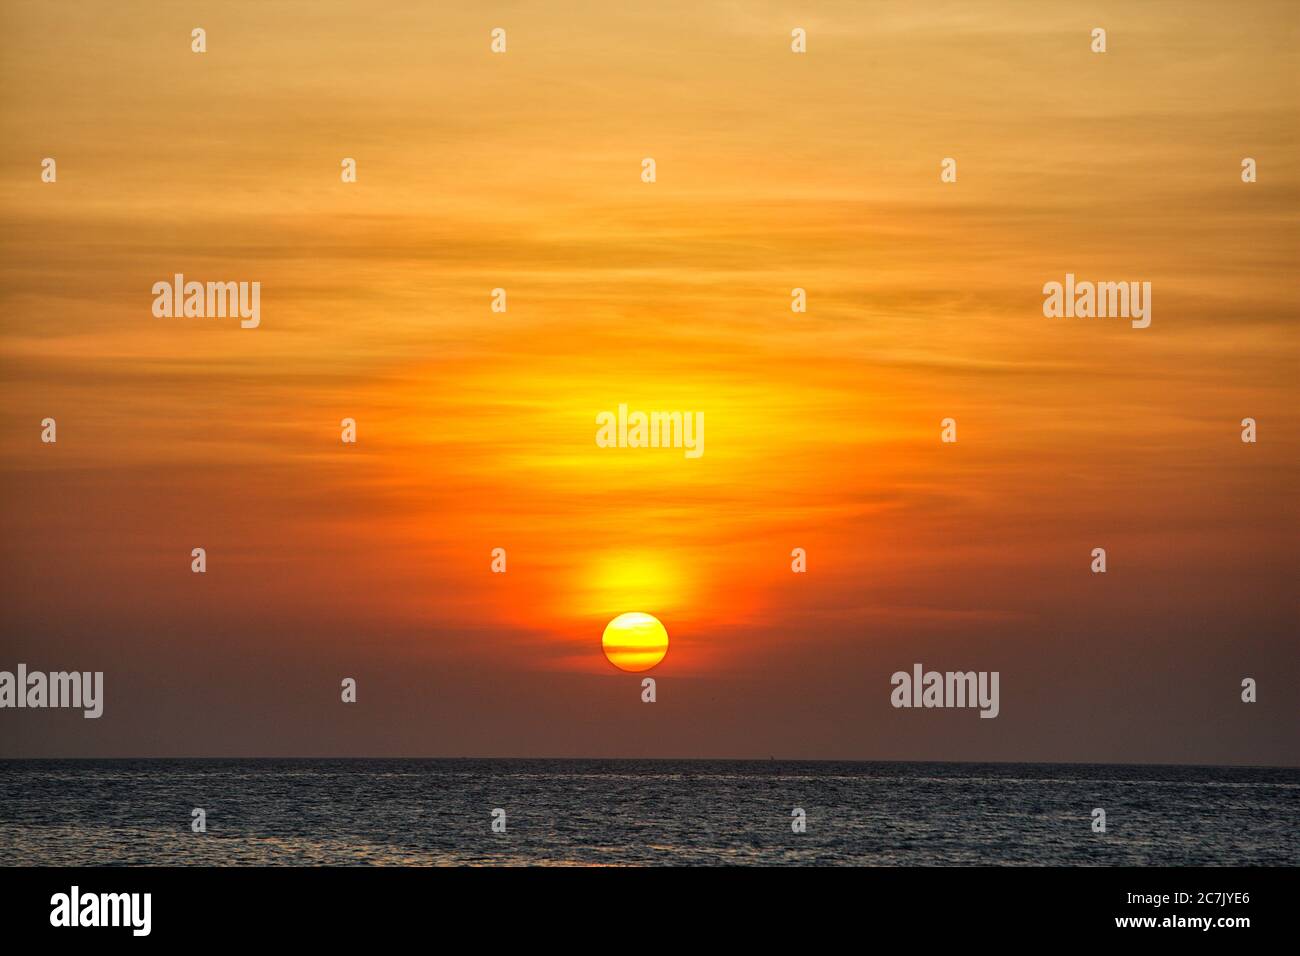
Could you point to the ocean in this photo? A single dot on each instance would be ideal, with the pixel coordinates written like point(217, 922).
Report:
point(636, 812)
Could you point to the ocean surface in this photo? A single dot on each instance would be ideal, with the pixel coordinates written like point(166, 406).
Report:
point(618, 812)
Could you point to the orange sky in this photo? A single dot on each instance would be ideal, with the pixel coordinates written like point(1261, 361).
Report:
point(476, 429)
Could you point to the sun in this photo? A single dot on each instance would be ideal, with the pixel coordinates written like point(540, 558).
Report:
point(635, 641)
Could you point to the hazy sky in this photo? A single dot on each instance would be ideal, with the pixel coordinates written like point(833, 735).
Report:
point(476, 429)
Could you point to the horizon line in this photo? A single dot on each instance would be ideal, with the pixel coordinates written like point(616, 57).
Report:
point(1001, 763)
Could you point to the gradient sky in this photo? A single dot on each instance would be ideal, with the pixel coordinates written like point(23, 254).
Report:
point(476, 429)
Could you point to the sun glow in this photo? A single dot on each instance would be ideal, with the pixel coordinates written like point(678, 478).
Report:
point(628, 579)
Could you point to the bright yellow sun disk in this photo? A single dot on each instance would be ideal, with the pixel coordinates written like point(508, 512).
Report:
point(635, 641)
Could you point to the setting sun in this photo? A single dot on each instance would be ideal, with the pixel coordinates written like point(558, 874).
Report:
point(635, 641)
